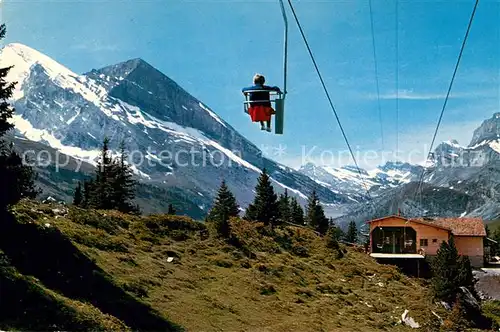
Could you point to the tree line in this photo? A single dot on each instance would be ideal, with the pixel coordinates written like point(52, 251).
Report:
point(17, 180)
point(271, 209)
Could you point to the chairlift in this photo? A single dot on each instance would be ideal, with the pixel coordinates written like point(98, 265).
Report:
point(277, 98)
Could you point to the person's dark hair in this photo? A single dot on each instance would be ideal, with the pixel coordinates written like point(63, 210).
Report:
point(259, 79)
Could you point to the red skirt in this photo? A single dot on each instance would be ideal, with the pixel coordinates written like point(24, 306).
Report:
point(260, 113)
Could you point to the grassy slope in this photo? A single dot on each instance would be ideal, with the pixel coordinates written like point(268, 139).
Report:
point(494, 225)
point(27, 302)
point(279, 282)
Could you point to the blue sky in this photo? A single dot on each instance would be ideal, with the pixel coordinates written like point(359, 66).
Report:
point(213, 48)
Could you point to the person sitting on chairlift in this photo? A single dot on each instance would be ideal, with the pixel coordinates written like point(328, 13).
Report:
point(260, 109)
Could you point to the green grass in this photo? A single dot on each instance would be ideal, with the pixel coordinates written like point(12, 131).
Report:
point(262, 279)
point(493, 225)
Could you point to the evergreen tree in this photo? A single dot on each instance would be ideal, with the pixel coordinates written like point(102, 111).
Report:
point(265, 205)
point(332, 240)
point(352, 233)
point(123, 184)
point(336, 231)
point(450, 272)
point(88, 186)
point(297, 214)
point(285, 208)
point(171, 210)
point(6, 90)
point(315, 215)
point(16, 178)
point(225, 207)
point(465, 277)
point(101, 196)
point(78, 195)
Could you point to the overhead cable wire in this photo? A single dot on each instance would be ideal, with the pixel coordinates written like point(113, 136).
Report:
point(376, 74)
point(448, 94)
point(329, 99)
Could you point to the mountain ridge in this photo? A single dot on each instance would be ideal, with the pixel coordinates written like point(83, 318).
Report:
point(134, 102)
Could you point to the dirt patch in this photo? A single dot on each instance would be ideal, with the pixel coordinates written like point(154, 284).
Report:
point(488, 285)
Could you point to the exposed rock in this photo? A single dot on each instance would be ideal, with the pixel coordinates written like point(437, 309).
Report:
point(469, 299)
point(408, 321)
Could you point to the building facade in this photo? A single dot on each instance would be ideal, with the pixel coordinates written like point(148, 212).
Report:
point(399, 237)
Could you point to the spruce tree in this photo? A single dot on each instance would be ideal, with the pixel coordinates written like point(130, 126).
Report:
point(315, 215)
point(445, 270)
point(171, 209)
point(6, 90)
point(17, 180)
point(78, 195)
point(265, 205)
point(123, 184)
point(352, 233)
point(101, 196)
point(285, 208)
point(224, 208)
point(88, 187)
point(297, 213)
point(335, 231)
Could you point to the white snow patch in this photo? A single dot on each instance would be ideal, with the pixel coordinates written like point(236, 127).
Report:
point(288, 188)
point(150, 156)
point(72, 118)
point(184, 107)
point(38, 135)
point(139, 172)
point(463, 214)
point(91, 135)
point(495, 145)
point(212, 114)
point(233, 156)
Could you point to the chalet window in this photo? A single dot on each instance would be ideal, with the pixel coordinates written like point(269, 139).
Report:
point(434, 240)
point(424, 242)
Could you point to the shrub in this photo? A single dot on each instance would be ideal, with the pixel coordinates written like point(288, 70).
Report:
point(267, 289)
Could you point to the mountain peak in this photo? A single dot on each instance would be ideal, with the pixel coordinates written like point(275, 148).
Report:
point(22, 58)
point(124, 68)
point(489, 130)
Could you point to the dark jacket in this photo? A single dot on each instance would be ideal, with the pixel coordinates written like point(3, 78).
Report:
point(262, 95)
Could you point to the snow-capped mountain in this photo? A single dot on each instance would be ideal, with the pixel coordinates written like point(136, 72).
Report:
point(484, 147)
point(348, 179)
point(175, 141)
point(460, 181)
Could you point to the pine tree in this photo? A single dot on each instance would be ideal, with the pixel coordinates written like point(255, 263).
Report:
point(315, 214)
point(445, 269)
point(171, 210)
point(352, 233)
point(88, 186)
point(6, 90)
point(336, 231)
point(285, 208)
point(123, 183)
point(297, 214)
point(17, 180)
point(465, 277)
point(332, 240)
point(225, 207)
point(78, 195)
point(101, 196)
point(265, 205)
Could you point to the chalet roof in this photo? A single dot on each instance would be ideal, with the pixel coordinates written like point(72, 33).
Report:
point(460, 226)
point(457, 226)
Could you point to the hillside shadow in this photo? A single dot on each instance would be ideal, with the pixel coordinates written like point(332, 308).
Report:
point(50, 257)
